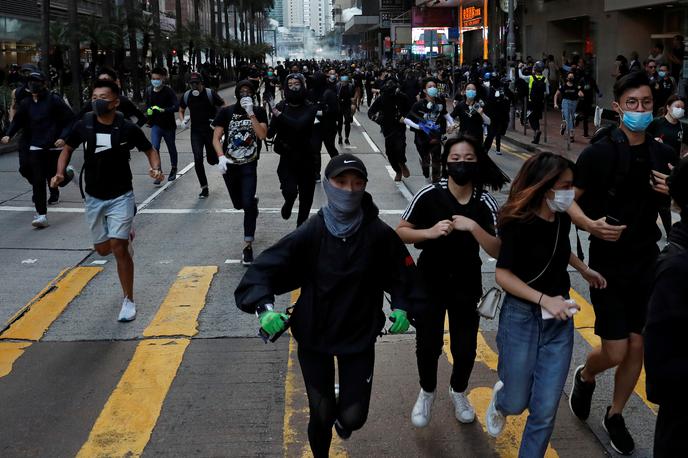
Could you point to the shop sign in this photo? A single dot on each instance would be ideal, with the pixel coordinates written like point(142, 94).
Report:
point(471, 16)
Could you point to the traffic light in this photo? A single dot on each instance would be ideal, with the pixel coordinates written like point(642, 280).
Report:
point(174, 52)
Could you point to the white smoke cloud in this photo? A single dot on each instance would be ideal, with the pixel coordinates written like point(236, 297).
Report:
point(272, 23)
point(349, 13)
point(282, 30)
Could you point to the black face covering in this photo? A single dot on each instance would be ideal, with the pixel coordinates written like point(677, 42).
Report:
point(35, 86)
point(295, 97)
point(101, 107)
point(462, 172)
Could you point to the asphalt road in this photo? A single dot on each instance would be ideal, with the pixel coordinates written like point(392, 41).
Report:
point(188, 377)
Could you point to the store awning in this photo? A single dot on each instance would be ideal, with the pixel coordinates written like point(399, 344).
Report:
point(360, 24)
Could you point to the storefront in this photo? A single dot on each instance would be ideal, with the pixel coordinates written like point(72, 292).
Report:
point(18, 41)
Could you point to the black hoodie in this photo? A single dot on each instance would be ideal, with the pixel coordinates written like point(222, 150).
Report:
point(666, 352)
point(342, 282)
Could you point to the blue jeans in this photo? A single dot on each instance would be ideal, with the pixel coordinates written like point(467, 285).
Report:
point(157, 134)
point(534, 358)
point(568, 109)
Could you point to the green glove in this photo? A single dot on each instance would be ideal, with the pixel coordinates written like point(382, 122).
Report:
point(158, 108)
point(273, 322)
point(149, 112)
point(400, 322)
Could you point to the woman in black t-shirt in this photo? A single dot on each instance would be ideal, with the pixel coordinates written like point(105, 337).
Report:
point(535, 336)
point(569, 92)
point(469, 114)
point(450, 221)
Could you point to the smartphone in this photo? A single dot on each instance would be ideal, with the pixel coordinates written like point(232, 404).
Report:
point(612, 221)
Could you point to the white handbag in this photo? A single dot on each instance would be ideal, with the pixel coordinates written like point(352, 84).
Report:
point(598, 116)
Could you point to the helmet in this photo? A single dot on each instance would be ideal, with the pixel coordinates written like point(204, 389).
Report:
point(539, 66)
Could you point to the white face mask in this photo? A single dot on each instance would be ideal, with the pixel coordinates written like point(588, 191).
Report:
point(563, 199)
point(677, 112)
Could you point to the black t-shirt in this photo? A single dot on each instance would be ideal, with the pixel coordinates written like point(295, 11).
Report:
point(429, 111)
point(527, 246)
point(636, 204)
point(569, 92)
point(470, 121)
point(241, 142)
point(106, 169)
point(451, 264)
point(167, 99)
point(202, 111)
point(670, 134)
point(271, 83)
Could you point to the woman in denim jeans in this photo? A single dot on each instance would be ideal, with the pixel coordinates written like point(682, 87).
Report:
point(570, 91)
point(535, 337)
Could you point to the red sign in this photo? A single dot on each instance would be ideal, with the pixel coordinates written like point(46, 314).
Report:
point(433, 17)
point(471, 16)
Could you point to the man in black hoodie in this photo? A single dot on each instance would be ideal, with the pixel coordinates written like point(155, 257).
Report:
point(343, 259)
point(666, 353)
point(325, 128)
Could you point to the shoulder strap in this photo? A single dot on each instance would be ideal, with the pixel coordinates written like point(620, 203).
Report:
point(209, 94)
point(556, 242)
point(186, 97)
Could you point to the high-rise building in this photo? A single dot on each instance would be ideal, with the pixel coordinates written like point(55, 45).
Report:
point(294, 13)
point(277, 13)
point(319, 14)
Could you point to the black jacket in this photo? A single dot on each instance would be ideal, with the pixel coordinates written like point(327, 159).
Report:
point(666, 352)
point(391, 108)
point(45, 120)
point(293, 129)
point(342, 281)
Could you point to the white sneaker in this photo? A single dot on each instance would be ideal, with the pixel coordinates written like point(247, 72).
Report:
point(462, 407)
point(40, 221)
point(420, 416)
point(494, 419)
point(128, 311)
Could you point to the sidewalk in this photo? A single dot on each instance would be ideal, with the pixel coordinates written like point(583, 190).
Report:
point(551, 140)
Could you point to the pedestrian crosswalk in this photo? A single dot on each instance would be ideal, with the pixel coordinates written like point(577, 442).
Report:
point(128, 417)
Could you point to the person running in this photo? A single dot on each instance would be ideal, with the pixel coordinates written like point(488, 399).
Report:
point(203, 103)
point(452, 219)
point(325, 126)
point(497, 108)
point(342, 259)
point(569, 92)
point(620, 185)
point(126, 106)
point(668, 129)
point(345, 94)
point(428, 118)
point(535, 335)
point(666, 359)
point(242, 125)
point(537, 91)
point(110, 205)
point(161, 106)
point(470, 114)
point(388, 111)
point(47, 121)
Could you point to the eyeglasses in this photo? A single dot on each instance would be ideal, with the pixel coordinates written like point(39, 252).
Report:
point(632, 103)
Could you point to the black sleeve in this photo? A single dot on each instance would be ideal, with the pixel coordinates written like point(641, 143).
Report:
point(653, 128)
point(417, 212)
point(130, 110)
point(217, 100)
point(507, 235)
point(374, 108)
point(138, 139)
point(64, 116)
point(587, 171)
point(414, 113)
point(275, 271)
point(221, 119)
point(487, 218)
point(297, 120)
point(76, 137)
point(261, 115)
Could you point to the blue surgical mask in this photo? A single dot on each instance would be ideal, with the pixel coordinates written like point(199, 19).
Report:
point(156, 83)
point(662, 74)
point(636, 121)
point(471, 93)
point(432, 91)
point(345, 78)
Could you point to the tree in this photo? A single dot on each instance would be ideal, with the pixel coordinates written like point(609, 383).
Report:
point(131, 12)
point(75, 53)
point(45, 38)
point(157, 45)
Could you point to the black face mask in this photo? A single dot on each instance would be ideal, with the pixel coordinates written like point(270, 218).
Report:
point(295, 97)
point(101, 107)
point(35, 87)
point(462, 172)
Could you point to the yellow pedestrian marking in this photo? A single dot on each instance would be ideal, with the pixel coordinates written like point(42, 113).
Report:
point(294, 438)
point(41, 314)
point(125, 424)
point(584, 323)
point(178, 314)
point(507, 444)
point(31, 322)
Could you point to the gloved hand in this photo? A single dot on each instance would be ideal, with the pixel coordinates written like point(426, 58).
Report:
point(428, 126)
point(222, 164)
point(400, 322)
point(247, 104)
point(273, 322)
point(153, 109)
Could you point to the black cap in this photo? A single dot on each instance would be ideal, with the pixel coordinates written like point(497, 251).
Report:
point(37, 76)
point(195, 76)
point(344, 162)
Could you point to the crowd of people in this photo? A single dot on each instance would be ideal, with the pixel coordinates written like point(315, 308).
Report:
point(345, 258)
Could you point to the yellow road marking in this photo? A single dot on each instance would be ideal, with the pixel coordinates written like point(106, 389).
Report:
point(31, 322)
point(38, 318)
point(507, 444)
point(125, 424)
point(585, 325)
point(178, 314)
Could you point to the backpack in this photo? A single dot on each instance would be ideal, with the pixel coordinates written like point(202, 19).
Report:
point(208, 93)
point(91, 142)
point(537, 89)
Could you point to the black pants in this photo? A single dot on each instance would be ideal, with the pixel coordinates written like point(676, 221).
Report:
point(430, 154)
point(463, 331)
point(202, 138)
point(241, 182)
point(534, 119)
point(355, 383)
point(43, 168)
point(494, 133)
point(369, 95)
point(395, 149)
point(345, 119)
point(329, 132)
point(672, 423)
point(296, 180)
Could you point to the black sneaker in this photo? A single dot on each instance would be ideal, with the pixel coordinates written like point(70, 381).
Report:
point(563, 128)
point(346, 141)
point(340, 140)
point(619, 437)
point(204, 193)
point(247, 255)
point(54, 196)
point(344, 434)
point(581, 395)
point(286, 209)
point(173, 174)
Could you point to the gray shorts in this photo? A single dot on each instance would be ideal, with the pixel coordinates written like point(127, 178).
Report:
point(110, 219)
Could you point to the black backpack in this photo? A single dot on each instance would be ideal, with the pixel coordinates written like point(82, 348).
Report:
point(208, 93)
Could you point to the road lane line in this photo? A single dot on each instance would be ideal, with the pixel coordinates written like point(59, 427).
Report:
point(358, 124)
point(584, 322)
point(40, 314)
point(9, 353)
point(403, 189)
point(126, 422)
point(507, 444)
point(370, 142)
point(180, 211)
point(152, 197)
